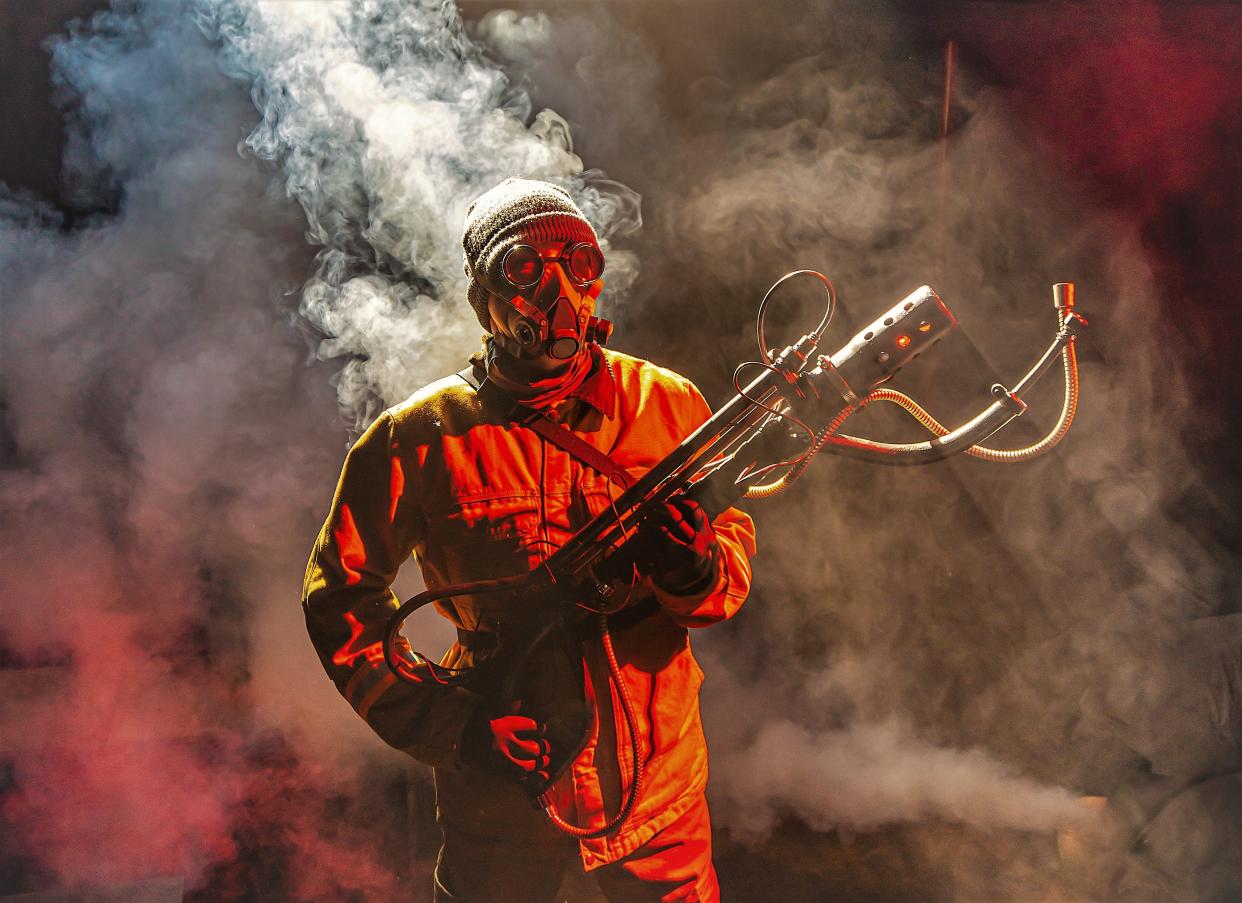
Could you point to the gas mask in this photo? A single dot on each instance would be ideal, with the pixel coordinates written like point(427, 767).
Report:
point(546, 300)
point(534, 267)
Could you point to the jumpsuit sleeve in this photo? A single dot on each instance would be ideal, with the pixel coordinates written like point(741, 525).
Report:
point(735, 546)
point(371, 529)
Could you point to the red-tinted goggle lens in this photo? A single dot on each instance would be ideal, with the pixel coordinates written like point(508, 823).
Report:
point(585, 263)
point(523, 267)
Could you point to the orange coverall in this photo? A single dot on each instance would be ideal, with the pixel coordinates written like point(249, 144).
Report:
point(474, 497)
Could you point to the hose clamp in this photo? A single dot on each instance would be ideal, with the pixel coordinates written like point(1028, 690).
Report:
point(837, 381)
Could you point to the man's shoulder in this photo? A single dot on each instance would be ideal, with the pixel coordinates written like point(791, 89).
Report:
point(632, 371)
point(447, 399)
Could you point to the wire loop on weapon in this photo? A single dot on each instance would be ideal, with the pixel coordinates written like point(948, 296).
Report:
point(775, 412)
point(819, 330)
point(439, 674)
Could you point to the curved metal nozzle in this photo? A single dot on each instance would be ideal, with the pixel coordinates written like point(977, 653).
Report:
point(1005, 408)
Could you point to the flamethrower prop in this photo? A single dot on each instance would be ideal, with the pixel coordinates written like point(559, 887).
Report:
point(722, 462)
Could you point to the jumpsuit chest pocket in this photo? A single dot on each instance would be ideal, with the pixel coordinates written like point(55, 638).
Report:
point(500, 518)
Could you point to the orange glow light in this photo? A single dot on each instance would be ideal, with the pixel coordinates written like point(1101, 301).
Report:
point(396, 486)
point(352, 553)
point(348, 654)
point(903, 341)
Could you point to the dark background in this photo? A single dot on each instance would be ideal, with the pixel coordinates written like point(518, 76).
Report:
point(1156, 145)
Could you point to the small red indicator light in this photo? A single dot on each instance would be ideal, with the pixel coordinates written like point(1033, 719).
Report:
point(903, 341)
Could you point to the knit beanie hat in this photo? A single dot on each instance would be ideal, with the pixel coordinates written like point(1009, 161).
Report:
point(514, 212)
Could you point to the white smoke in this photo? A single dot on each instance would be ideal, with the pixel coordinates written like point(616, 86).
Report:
point(174, 453)
point(874, 775)
point(944, 645)
point(870, 772)
point(387, 121)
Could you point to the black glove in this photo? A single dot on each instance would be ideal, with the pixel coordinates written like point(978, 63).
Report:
point(680, 545)
point(510, 743)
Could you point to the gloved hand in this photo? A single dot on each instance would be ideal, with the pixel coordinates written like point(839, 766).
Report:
point(681, 545)
point(509, 743)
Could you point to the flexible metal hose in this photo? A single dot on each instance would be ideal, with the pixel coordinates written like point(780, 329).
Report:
point(776, 487)
point(631, 723)
point(1069, 361)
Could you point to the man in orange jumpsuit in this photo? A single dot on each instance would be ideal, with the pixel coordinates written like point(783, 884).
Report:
point(448, 476)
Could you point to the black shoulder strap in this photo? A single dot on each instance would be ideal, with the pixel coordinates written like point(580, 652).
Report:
point(558, 434)
point(567, 440)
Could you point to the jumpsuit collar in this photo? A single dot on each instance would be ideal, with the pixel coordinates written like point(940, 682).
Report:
point(598, 389)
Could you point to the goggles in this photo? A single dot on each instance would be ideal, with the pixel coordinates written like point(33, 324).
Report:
point(523, 266)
